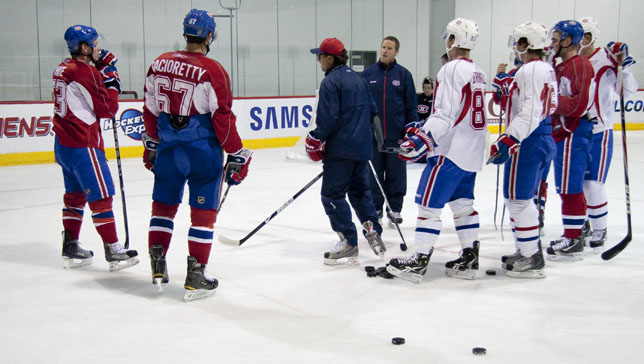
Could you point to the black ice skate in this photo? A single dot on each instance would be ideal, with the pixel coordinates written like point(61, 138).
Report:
point(597, 240)
point(198, 283)
point(159, 267)
point(394, 218)
point(343, 253)
point(586, 232)
point(119, 257)
point(412, 269)
point(566, 249)
point(527, 267)
point(73, 255)
point(509, 259)
point(466, 265)
point(374, 240)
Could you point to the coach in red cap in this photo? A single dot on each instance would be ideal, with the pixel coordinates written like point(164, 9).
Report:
point(343, 141)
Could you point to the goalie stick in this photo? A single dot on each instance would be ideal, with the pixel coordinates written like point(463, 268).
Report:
point(118, 163)
point(612, 252)
point(241, 241)
point(403, 245)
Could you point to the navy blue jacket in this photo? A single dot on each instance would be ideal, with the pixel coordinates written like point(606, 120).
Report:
point(392, 87)
point(343, 118)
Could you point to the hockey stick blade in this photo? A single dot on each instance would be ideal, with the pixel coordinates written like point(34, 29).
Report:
point(228, 241)
point(612, 252)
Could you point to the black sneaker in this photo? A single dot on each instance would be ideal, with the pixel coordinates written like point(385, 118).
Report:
point(466, 265)
point(159, 266)
point(198, 283)
point(412, 269)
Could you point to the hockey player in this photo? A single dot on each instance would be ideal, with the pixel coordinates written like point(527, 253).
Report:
point(392, 88)
point(457, 124)
point(342, 139)
point(572, 132)
point(527, 146)
point(605, 62)
point(188, 124)
point(86, 89)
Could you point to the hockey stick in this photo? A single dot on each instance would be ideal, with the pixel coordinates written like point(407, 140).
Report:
point(612, 252)
point(498, 171)
point(241, 241)
point(403, 245)
point(380, 137)
point(118, 163)
point(223, 198)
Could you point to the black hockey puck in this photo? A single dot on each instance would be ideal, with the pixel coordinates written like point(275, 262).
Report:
point(369, 268)
point(372, 273)
point(398, 340)
point(490, 272)
point(479, 351)
point(382, 271)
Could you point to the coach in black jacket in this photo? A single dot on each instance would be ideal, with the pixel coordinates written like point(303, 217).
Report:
point(393, 90)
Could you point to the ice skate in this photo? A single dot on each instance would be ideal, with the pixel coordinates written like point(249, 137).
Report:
point(73, 255)
point(526, 267)
point(466, 265)
point(198, 283)
point(343, 253)
point(412, 269)
point(374, 239)
point(119, 257)
point(566, 249)
point(394, 218)
point(159, 267)
point(597, 240)
point(586, 232)
point(509, 259)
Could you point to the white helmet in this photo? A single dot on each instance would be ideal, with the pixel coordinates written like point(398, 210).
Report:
point(591, 26)
point(465, 33)
point(536, 34)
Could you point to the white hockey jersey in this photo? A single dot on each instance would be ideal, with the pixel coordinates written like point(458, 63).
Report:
point(533, 97)
point(458, 122)
point(606, 89)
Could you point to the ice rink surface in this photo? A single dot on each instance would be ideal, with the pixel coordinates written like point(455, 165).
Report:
point(277, 302)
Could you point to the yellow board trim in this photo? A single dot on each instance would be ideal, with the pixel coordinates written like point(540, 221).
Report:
point(15, 159)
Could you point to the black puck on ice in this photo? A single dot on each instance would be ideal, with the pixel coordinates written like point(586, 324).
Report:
point(369, 268)
point(479, 351)
point(372, 273)
point(490, 272)
point(398, 340)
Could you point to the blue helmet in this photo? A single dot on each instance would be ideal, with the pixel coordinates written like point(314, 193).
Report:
point(199, 23)
point(77, 34)
point(570, 28)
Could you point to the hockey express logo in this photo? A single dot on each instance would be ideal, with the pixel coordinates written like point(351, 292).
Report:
point(284, 117)
point(19, 127)
point(131, 122)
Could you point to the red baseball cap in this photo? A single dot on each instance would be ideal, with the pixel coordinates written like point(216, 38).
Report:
point(331, 46)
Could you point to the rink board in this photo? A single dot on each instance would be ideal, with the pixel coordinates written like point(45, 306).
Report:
point(26, 135)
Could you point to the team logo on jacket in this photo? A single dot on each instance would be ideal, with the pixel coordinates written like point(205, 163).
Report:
point(131, 122)
point(423, 108)
point(395, 82)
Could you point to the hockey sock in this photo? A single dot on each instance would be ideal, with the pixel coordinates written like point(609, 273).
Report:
point(201, 233)
point(103, 218)
point(526, 225)
point(595, 193)
point(73, 213)
point(428, 228)
point(162, 225)
point(573, 213)
point(466, 221)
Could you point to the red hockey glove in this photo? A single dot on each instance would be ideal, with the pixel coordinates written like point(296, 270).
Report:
point(106, 58)
point(416, 145)
point(314, 148)
point(237, 166)
point(502, 149)
point(150, 151)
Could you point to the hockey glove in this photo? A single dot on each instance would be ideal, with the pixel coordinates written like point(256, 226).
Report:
point(106, 58)
point(314, 148)
point(413, 127)
point(501, 85)
point(619, 52)
point(502, 149)
point(150, 151)
point(416, 145)
point(111, 78)
point(237, 166)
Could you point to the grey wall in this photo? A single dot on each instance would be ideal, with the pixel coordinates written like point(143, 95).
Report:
point(271, 38)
